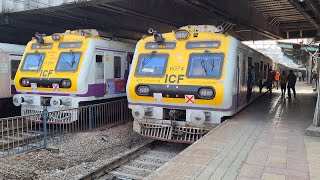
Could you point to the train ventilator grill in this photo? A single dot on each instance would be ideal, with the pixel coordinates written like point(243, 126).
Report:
point(172, 133)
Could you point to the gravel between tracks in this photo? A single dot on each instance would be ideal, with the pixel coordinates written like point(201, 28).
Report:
point(78, 154)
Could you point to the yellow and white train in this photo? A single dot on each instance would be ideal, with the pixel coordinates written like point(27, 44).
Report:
point(69, 69)
point(183, 82)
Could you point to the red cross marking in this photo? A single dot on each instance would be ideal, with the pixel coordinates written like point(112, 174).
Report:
point(189, 99)
point(55, 87)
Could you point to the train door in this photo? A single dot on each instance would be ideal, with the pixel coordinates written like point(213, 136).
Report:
point(99, 74)
point(242, 82)
point(120, 66)
point(115, 72)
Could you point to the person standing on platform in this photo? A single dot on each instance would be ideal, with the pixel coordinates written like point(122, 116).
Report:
point(314, 81)
point(299, 75)
point(270, 80)
point(283, 83)
point(276, 78)
point(303, 76)
point(291, 83)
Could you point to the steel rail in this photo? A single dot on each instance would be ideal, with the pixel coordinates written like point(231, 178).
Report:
point(118, 161)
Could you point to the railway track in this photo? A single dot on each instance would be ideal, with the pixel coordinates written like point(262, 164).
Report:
point(139, 163)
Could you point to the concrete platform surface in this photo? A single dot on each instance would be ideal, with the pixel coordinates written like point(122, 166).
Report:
point(264, 141)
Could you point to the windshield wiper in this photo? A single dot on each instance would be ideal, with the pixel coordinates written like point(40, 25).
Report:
point(72, 61)
point(39, 60)
point(204, 67)
point(146, 60)
point(207, 52)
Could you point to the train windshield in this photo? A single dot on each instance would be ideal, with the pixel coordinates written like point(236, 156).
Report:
point(68, 61)
point(33, 62)
point(151, 64)
point(205, 65)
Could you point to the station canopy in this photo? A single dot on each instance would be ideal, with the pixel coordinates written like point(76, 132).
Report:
point(293, 53)
point(128, 19)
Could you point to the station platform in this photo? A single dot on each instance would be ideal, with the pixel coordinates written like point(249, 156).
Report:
point(266, 140)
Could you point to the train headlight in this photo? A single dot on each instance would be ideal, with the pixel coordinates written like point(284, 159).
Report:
point(143, 90)
point(197, 117)
point(66, 83)
point(56, 37)
point(24, 82)
point(206, 93)
point(181, 35)
point(55, 102)
point(17, 100)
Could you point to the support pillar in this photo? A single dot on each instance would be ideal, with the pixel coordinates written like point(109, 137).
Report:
point(310, 70)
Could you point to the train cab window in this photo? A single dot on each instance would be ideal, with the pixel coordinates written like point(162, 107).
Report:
point(14, 68)
point(152, 64)
point(117, 67)
point(33, 62)
point(205, 65)
point(68, 61)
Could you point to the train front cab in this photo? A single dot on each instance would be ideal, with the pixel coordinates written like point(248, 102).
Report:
point(180, 87)
point(69, 68)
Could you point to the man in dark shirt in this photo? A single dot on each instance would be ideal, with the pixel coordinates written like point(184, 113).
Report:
point(291, 83)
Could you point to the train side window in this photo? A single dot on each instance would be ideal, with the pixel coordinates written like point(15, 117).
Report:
point(14, 68)
point(261, 66)
point(265, 71)
point(250, 61)
point(99, 58)
point(256, 68)
point(129, 60)
point(117, 66)
point(243, 72)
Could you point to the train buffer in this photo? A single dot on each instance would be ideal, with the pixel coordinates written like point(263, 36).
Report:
point(266, 140)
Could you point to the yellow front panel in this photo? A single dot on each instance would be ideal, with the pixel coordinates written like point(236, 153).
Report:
point(47, 70)
point(177, 68)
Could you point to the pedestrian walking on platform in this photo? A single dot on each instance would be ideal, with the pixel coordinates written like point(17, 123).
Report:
point(283, 83)
point(276, 78)
point(300, 75)
point(314, 81)
point(291, 83)
point(303, 76)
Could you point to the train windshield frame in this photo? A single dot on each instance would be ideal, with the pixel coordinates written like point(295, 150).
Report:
point(152, 65)
point(68, 61)
point(205, 65)
point(33, 62)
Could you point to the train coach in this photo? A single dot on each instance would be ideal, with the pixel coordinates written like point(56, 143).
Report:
point(182, 83)
point(10, 57)
point(71, 69)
